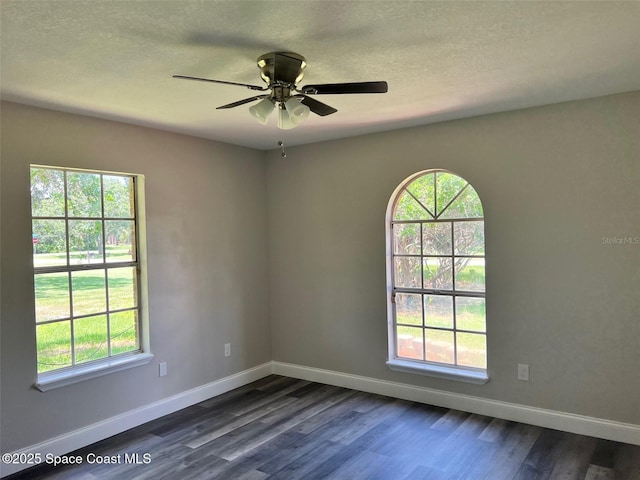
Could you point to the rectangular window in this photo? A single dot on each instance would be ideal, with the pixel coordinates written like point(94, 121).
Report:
point(86, 267)
point(438, 292)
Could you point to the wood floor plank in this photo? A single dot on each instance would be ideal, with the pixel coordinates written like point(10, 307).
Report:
point(164, 424)
point(314, 464)
point(239, 422)
point(390, 432)
point(309, 405)
point(410, 431)
point(506, 461)
point(368, 465)
point(604, 453)
point(627, 462)
point(496, 430)
point(460, 451)
point(317, 421)
point(572, 462)
point(368, 420)
point(276, 451)
point(277, 454)
point(471, 427)
point(314, 442)
point(284, 428)
point(450, 421)
point(298, 412)
point(268, 399)
point(422, 472)
point(596, 472)
point(542, 457)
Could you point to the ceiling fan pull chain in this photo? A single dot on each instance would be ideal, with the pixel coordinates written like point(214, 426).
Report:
point(281, 144)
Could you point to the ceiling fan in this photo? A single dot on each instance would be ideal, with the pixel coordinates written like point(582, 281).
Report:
point(281, 71)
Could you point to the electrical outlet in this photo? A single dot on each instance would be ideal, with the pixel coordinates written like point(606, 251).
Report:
point(227, 349)
point(162, 369)
point(523, 372)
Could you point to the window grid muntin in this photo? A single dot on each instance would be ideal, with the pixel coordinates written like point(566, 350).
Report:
point(424, 291)
point(103, 265)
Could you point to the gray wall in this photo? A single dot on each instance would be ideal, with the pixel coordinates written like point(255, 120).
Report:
point(553, 180)
point(207, 264)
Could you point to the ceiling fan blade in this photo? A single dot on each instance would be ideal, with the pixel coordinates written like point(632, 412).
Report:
point(241, 102)
point(317, 107)
point(252, 87)
point(286, 68)
point(339, 88)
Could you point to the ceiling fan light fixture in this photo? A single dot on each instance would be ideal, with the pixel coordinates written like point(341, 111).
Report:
point(261, 110)
point(292, 113)
point(284, 119)
point(298, 112)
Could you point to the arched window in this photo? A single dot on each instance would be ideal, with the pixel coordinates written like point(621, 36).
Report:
point(436, 278)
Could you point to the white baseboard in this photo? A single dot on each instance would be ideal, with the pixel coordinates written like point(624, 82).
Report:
point(595, 427)
point(111, 426)
point(568, 422)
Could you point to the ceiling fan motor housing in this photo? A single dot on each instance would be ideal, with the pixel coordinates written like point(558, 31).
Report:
point(282, 68)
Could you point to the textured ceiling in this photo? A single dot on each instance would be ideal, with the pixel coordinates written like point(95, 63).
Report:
point(442, 60)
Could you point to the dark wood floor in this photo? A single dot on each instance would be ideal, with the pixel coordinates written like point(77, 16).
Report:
point(282, 428)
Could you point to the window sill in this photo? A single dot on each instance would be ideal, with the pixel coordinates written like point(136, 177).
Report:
point(51, 381)
point(439, 371)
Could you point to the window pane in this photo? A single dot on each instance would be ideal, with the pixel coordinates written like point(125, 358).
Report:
point(118, 196)
point(438, 311)
point(122, 288)
point(123, 328)
point(90, 338)
point(410, 343)
point(408, 209)
point(89, 292)
point(436, 238)
point(423, 189)
point(472, 350)
point(439, 346)
point(84, 197)
point(47, 192)
point(120, 235)
point(406, 238)
point(53, 345)
point(448, 186)
point(470, 274)
point(470, 314)
point(52, 296)
point(469, 238)
point(407, 272)
point(467, 205)
point(438, 273)
point(94, 224)
point(409, 308)
point(85, 238)
point(49, 243)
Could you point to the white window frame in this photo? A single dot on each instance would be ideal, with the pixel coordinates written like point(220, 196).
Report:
point(415, 366)
point(85, 371)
